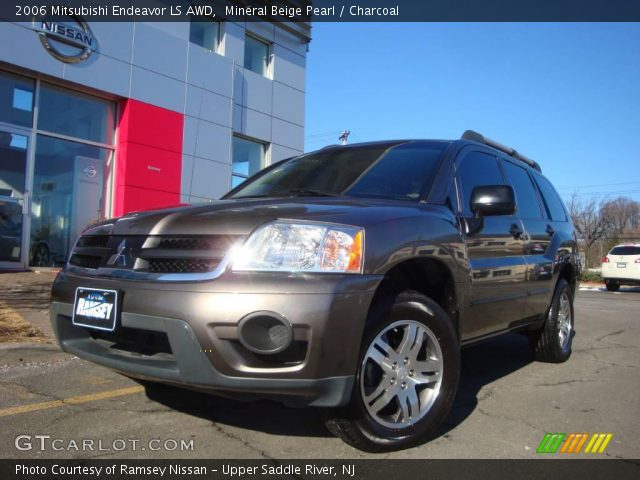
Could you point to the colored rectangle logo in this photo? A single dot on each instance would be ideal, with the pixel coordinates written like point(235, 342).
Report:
point(574, 443)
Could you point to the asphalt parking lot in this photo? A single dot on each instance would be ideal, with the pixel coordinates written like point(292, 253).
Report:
point(505, 405)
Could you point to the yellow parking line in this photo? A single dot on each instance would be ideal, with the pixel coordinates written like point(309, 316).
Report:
point(92, 397)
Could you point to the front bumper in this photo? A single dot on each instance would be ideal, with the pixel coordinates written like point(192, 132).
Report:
point(186, 333)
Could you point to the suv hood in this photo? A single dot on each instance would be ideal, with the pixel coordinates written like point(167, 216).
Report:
point(241, 216)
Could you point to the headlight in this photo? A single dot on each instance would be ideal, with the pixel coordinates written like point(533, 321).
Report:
point(302, 247)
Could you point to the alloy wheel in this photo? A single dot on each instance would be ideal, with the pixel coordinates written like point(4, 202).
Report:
point(564, 320)
point(401, 374)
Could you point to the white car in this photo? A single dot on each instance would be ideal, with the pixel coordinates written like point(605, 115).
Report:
point(621, 266)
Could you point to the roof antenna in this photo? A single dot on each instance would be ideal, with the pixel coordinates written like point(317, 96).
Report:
point(344, 137)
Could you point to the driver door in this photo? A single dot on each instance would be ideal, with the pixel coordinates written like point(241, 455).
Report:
point(498, 269)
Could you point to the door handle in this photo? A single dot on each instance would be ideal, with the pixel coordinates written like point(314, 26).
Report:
point(550, 231)
point(516, 231)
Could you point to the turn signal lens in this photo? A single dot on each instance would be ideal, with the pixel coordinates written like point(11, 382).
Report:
point(355, 254)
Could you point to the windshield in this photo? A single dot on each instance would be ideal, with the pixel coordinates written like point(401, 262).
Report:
point(400, 171)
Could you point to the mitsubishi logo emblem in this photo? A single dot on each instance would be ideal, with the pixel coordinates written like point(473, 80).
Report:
point(119, 259)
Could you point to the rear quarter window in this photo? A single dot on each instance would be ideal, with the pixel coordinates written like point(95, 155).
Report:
point(552, 201)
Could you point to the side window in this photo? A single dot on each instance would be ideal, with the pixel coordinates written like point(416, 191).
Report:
point(552, 201)
point(528, 205)
point(477, 168)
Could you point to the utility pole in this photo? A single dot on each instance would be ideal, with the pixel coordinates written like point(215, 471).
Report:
point(344, 137)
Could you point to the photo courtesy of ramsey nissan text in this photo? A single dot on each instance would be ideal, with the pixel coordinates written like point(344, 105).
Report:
point(319, 238)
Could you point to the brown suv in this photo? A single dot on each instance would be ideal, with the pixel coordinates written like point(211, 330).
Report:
point(347, 278)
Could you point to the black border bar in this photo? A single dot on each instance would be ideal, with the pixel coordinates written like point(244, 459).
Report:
point(269, 469)
point(340, 10)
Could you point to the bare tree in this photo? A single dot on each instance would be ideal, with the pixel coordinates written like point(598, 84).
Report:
point(588, 219)
point(623, 214)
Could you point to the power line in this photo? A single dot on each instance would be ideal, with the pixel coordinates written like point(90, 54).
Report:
point(598, 185)
point(326, 134)
point(597, 194)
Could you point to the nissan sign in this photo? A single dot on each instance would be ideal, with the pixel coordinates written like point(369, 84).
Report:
point(69, 42)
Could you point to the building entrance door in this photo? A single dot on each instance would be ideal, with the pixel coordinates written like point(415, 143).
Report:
point(14, 198)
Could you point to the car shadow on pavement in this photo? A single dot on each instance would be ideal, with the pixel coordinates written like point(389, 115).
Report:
point(481, 365)
point(260, 415)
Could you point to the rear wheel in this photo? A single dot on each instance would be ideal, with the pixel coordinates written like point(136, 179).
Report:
point(612, 285)
point(407, 377)
point(552, 343)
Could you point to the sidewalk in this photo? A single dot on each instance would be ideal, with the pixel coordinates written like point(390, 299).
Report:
point(24, 304)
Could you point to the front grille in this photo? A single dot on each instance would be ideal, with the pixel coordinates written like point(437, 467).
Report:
point(182, 265)
point(191, 243)
point(151, 254)
point(99, 241)
point(85, 261)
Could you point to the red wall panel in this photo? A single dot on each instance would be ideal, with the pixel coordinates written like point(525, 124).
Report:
point(150, 125)
point(148, 156)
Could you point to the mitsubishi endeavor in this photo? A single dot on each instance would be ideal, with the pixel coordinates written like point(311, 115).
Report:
point(348, 278)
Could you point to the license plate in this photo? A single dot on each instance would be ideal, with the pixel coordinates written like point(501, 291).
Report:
point(622, 265)
point(95, 308)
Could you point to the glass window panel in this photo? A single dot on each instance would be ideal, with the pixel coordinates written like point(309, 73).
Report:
point(256, 55)
point(205, 33)
point(551, 199)
point(76, 115)
point(16, 99)
point(477, 169)
point(68, 189)
point(22, 99)
point(13, 152)
point(236, 180)
point(248, 156)
point(526, 197)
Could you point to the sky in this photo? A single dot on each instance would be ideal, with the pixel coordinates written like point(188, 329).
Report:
point(566, 95)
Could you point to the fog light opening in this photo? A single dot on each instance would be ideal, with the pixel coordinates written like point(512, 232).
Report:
point(265, 333)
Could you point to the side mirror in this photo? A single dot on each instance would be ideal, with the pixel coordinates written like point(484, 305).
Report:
point(490, 200)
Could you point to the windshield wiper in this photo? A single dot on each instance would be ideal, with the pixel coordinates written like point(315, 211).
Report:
point(315, 193)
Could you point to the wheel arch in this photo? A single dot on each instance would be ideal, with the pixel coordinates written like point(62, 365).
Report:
point(569, 273)
point(429, 276)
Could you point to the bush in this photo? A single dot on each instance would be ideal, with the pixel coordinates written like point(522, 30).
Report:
point(588, 276)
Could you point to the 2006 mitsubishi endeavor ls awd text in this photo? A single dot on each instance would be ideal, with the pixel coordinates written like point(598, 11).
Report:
point(347, 278)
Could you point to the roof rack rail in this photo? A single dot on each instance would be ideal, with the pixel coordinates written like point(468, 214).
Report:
point(478, 137)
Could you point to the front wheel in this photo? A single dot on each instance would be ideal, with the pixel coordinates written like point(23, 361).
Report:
point(406, 380)
point(552, 343)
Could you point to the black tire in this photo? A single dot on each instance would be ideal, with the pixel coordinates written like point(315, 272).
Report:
point(612, 285)
point(41, 256)
point(354, 424)
point(548, 343)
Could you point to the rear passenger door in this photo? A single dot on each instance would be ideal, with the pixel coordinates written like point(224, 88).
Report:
point(538, 232)
point(498, 269)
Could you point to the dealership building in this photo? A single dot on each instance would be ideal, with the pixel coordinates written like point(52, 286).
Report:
point(98, 119)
